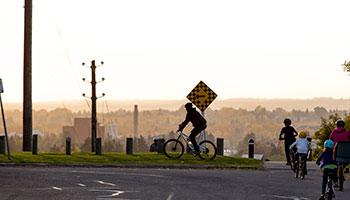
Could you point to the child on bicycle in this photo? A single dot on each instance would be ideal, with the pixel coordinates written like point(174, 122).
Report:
point(303, 148)
point(289, 137)
point(328, 165)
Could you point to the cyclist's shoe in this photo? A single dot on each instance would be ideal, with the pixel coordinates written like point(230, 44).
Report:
point(288, 163)
point(335, 184)
point(196, 153)
point(322, 197)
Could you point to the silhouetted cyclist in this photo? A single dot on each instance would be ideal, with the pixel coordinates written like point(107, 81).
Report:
point(289, 137)
point(198, 122)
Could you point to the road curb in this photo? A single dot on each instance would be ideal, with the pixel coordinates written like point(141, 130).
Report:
point(127, 166)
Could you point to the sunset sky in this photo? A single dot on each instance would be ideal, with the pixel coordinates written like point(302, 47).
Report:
point(162, 49)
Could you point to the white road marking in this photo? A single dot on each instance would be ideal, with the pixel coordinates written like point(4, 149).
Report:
point(57, 188)
point(285, 197)
point(117, 193)
point(113, 198)
point(80, 184)
point(114, 192)
point(104, 183)
point(170, 196)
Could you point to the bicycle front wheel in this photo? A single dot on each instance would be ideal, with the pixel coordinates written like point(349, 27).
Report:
point(207, 150)
point(173, 148)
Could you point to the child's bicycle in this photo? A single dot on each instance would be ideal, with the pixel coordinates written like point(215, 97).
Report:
point(174, 148)
point(330, 192)
point(300, 166)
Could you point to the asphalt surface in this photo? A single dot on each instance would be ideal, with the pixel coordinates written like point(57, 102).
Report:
point(275, 182)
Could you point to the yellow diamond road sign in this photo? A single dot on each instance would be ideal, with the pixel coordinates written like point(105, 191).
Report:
point(201, 96)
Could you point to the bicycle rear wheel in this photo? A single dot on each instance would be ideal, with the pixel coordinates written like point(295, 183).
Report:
point(330, 193)
point(207, 150)
point(303, 167)
point(291, 161)
point(341, 177)
point(173, 148)
point(296, 169)
point(329, 196)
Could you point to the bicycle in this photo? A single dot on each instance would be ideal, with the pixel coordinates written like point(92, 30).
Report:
point(341, 167)
point(342, 156)
point(292, 155)
point(174, 148)
point(309, 151)
point(330, 192)
point(300, 165)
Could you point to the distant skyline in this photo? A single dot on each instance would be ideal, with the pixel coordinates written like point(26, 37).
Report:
point(162, 49)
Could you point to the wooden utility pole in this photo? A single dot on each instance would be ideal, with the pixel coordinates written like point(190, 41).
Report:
point(93, 105)
point(27, 77)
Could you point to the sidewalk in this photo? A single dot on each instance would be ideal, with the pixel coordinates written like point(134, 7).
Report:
point(126, 166)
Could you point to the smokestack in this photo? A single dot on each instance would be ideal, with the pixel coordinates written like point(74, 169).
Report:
point(136, 121)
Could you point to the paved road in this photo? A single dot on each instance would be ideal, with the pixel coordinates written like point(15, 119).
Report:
point(275, 183)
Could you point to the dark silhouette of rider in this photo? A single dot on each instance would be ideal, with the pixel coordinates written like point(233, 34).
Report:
point(289, 137)
point(198, 122)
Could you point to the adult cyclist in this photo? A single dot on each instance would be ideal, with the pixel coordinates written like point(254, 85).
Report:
point(289, 137)
point(339, 134)
point(198, 122)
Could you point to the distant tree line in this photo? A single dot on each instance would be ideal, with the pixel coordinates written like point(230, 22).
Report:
point(231, 124)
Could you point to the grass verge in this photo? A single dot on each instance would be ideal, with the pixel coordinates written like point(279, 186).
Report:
point(122, 158)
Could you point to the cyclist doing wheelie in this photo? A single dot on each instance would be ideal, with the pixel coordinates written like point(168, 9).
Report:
point(289, 137)
point(198, 122)
point(328, 165)
point(303, 147)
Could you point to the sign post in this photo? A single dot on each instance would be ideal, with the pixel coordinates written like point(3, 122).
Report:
point(3, 120)
point(202, 96)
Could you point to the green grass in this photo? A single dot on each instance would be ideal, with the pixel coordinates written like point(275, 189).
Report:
point(122, 158)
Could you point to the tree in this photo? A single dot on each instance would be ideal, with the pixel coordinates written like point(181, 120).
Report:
point(327, 126)
point(112, 146)
point(346, 66)
point(320, 111)
point(140, 145)
point(243, 144)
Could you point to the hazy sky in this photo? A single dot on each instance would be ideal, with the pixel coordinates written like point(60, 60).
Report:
point(162, 49)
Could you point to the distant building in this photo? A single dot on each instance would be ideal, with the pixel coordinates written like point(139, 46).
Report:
point(112, 131)
point(12, 134)
point(81, 130)
point(38, 132)
point(136, 121)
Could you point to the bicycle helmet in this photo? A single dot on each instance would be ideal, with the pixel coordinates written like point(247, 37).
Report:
point(188, 105)
point(155, 139)
point(287, 121)
point(309, 139)
point(302, 134)
point(329, 144)
point(340, 123)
